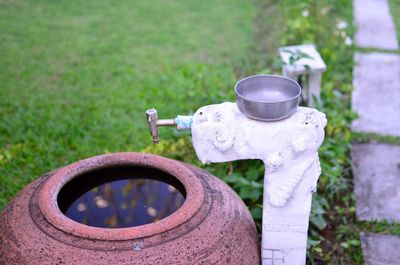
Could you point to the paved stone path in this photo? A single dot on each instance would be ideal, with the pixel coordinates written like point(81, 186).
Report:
point(376, 98)
point(380, 249)
point(375, 27)
point(377, 181)
point(376, 94)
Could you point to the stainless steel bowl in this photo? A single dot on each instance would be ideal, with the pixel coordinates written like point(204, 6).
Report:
point(267, 97)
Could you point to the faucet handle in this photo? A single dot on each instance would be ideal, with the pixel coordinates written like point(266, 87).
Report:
point(181, 122)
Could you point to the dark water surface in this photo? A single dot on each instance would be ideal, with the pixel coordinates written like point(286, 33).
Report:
point(120, 203)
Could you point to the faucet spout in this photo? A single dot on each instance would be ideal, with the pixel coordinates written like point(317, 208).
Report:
point(181, 122)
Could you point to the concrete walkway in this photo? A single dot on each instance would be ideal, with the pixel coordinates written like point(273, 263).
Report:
point(375, 27)
point(376, 98)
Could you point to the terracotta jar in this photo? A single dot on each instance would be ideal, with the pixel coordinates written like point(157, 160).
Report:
point(212, 226)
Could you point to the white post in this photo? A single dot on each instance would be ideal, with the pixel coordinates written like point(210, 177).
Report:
point(288, 148)
point(304, 60)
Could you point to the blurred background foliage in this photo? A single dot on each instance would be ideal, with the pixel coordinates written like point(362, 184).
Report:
point(333, 235)
point(76, 78)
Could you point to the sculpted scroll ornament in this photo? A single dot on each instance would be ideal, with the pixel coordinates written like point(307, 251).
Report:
point(288, 149)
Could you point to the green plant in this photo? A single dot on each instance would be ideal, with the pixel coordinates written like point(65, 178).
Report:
point(383, 227)
point(373, 137)
point(296, 56)
point(334, 233)
point(328, 25)
point(395, 10)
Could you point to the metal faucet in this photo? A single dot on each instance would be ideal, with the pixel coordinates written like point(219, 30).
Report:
point(181, 122)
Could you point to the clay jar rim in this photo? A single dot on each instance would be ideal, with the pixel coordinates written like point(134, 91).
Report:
point(52, 186)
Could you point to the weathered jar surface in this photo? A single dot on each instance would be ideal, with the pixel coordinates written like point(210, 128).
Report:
point(212, 226)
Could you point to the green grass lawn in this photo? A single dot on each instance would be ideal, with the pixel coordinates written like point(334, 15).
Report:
point(395, 10)
point(77, 77)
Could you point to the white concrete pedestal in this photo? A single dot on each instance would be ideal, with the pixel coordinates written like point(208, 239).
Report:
point(288, 149)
